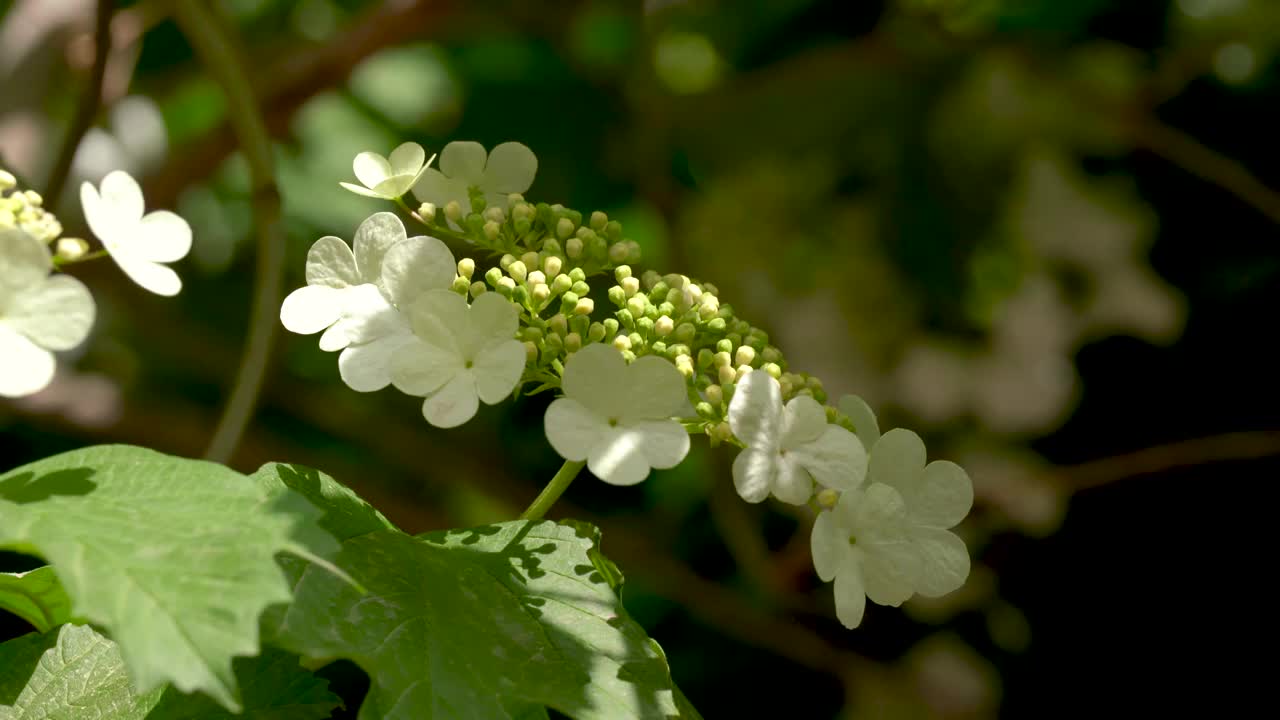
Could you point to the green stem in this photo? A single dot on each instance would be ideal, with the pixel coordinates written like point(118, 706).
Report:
point(439, 231)
point(553, 490)
point(88, 107)
point(63, 262)
point(214, 46)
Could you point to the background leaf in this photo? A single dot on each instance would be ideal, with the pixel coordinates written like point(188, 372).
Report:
point(37, 597)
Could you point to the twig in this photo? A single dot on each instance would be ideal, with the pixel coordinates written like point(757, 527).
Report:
point(88, 107)
point(1229, 447)
point(213, 44)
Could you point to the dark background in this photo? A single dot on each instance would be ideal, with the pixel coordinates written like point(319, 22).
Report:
point(1041, 233)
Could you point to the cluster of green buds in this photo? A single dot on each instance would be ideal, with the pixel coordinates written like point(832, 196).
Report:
point(549, 230)
point(24, 210)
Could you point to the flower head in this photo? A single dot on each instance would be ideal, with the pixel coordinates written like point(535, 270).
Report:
point(138, 243)
point(38, 314)
point(509, 168)
point(617, 416)
point(388, 178)
point(789, 447)
point(352, 296)
point(459, 355)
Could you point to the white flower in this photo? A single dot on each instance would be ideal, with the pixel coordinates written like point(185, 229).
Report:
point(460, 355)
point(937, 497)
point(891, 540)
point(617, 416)
point(509, 168)
point(862, 544)
point(389, 178)
point(353, 296)
point(790, 447)
point(138, 243)
point(38, 314)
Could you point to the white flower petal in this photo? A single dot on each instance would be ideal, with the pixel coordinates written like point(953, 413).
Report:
point(491, 318)
point(897, 458)
point(828, 545)
point(122, 198)
point(889, 572)
point(835, 459)
point(420, 368)
point(371, 168)
point(792, 483)
point(941, 497)
point(311, 309)
point(25, 367)
point(152, 277)
point(415, 266)
point(497, 369)
point(665, 442)
point(435, 188)
point(851, 597)
point(56, 315)
point(359, 190)
point(334, 339)
point(330, 262)
point(592, 377)
point(653, 389)
point(864, 419)
point(453, 404)
point(944, 562)
point(407, 159)
point(754, 473)
point(24, 261)
point(367, 315)
point(803, 420)
point(367, 367)
point(161, 236)
point(755, 413)
point(619, 459)
point(373, 238)
point(572, 429)
point(465, 161)
point(394, 186)
point(511, 169)
point(435, 317)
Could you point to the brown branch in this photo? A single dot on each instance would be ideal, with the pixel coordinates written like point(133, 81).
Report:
point(87, 109)
point(1229, 447)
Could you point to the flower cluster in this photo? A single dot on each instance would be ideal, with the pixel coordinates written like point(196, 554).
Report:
point(42, 310)
point(640, 365)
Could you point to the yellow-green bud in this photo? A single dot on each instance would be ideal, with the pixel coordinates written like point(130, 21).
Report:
point(578, 275)
point(744, 370)
point(477, 289)
point(724, 345)
point(771, 354)
point(726, 374)
point(619, 253)
point(622, 272)
point(7, 180)
point(491, 230)
point(453, 211)
point(466, 267)
point(617, 296)
point(715, 395)
point(492, 276)
point(530, 260)
point(650, 278)
point(635, 339)
point(664, 326)
point(551, 265)
point(541, 293)
point(746, 355)
point(495, 214)
point(573, 342)
point(530, 352)
point(505, 261)
point(581, 288)
point(518, 271)
point(71, 248)
point(685, 333)
point(644, 325)
point(535, 278)
point(596, 332)
point(520, 295)
point(722, 433)
point(722, 359)
point(585, 306)
point(460, 284)
point(684, 364)
point(705, 410)
point(598, 221)
point(827, 498)
point(613, 229)
point(658, 348)
point(636, 306)
point(705, 358)
point(564, 229)
point(558, 324)
point(573, 247)
point(630, 285)
point(622, 342)
point(774, 370)
point(515, 199)
point(561, 285)
point(427, 211)
point(506, 286)
point(610, 326)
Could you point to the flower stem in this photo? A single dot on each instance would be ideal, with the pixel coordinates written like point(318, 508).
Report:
point(553, 490)
point(63, 262)
point(438, 231)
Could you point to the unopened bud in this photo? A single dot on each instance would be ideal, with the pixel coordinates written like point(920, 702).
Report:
point(664, 326)
point(774, 370)
point(466, 267)
point(506, 286)
point(492, 276)
point(715, 395)
point(630, 285)
point(535, 278)
point(551, 265)
point(427, 211)
point(585, 306)
point(573, 247)
point(561, 285)
point(746, 355)
point(622, 272)
point(610, 326)
point(827, 498)
point(558, 324)
point(564, 229)
point(622, 342)
point(495, 214)
point(477, 289)
point(617, 296)
point(453, 211)
point(596, 332)
point(619, 253)
point(726, 375)
point(71, 248)
point(460, 284)
point(573, 342)
point(541, 293)
point(518, 271)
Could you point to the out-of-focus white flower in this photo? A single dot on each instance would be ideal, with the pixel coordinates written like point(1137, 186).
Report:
point(138, 243)
point(509, 168)
point(617, 417)
point(39, 314)
point(790, 447)
point(460, 354)
point(388, 178)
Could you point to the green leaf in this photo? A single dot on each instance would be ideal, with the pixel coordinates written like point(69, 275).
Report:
point(76, 673)
point(36, 597)
point(174, 558)
point(491, 622)
point(346, 515)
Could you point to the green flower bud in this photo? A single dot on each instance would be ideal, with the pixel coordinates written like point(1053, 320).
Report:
point(705, 410)
point(625, 317)
point(568, 302)
point(725, 312)
point(617, 296)
point(633, 251)
point(492, 276)
point(686, 332)
point(460, 284)
point(598, 221)
point(636, 305)
point(551, 246)
point(725, 346)
point(466, 267)
point(581, 288)
point(774, 370)
point(522, 226)
point(721, 359)
point(520, 295)
point(7, 180)
point(746, 355)
point(618, 253)
point(741, 327)
point(558, 324)
point(636, 340)
point(573, 247)
point(705, 358)
point(585, 306)
point(551, 265)
point(707, 311)
point(535, 278)
point(495, 214)
point(659, 290)
point(578, 275)
point(554, 343)
point(715, 395)
point(664, 326)
point(579, 324)
point(644, 325)
point(515, 199)
point(622, 272)
point(596, 333)
point(491, 230)
point(622, 342)
point(531, 334)
point(506, 286)
point(684, 364)
point(630, 285)
point(709, 289)
point(573, 342)
point(677, 350)
point(771, 354)
point(658, 348)
point(427, 211)
point(477, 289)
point(530, 353)
point(564, 229)
point(453, 211)
point(721, 433)
point(610, 326)
point(613, 230)
point(505, 261)
point(717, 325)
point(650, 278)
point(726, 375)
point(518, 271)
point(734, 338)
point(561, 285)
point(827, 498)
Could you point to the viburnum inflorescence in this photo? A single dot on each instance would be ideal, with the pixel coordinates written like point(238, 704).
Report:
point(546, 299)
